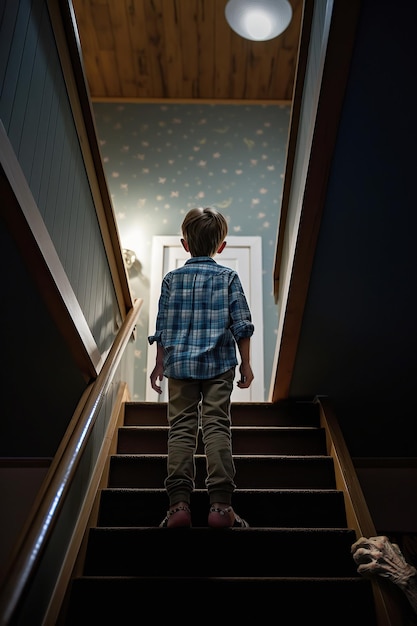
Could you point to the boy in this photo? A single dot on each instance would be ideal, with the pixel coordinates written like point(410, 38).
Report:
point(202, 315)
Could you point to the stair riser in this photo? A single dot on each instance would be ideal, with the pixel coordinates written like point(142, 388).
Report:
point(260, 508)
point(232, 552)
point(251, 472)
point(253, 414)
point(246, 600)
point(248, 441)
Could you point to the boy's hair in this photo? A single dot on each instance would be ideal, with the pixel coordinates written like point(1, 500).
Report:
point(204, 229)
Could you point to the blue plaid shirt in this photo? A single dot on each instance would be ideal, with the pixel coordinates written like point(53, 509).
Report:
point(202, 312)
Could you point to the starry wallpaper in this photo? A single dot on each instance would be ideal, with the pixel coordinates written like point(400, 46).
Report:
point(161, 160)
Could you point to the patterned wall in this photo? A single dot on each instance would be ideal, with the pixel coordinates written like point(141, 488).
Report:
point(163, 159)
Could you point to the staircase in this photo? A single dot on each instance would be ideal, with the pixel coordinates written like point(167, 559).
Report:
point(294, 562)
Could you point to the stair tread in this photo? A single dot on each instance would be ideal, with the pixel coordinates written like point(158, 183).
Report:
point(236, 492)
point(261, 428)
point(248, 457)
point(262, 507)
point(260, 579)
point(154, 530)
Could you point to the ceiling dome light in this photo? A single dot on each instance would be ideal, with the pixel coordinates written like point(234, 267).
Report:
point(258, 20)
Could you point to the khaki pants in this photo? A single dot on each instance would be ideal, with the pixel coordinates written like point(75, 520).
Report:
point(183, 417)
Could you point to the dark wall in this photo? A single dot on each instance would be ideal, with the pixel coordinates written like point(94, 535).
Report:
point(40, 383)
point(358, 342)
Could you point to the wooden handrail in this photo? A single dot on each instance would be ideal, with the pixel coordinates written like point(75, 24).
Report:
point(357, 512)
point(388, 612)
point(61, 474)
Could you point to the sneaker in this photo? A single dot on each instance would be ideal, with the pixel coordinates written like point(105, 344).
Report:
point(178, 517)
point(225, 518)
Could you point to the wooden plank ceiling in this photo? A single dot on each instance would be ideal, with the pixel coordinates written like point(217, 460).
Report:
point(181, 50)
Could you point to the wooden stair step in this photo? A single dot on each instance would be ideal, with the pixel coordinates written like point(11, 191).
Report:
point(226, 552)
point(252, 472)
point(261, 508)
point(245, 439)
point(296, 601)
point(243, 414)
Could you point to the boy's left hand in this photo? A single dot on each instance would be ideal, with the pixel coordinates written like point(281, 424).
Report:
point(246, 376)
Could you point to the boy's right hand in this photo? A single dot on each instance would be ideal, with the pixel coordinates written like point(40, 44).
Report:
point(157, 373)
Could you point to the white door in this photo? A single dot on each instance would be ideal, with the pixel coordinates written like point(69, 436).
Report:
point(243, 254)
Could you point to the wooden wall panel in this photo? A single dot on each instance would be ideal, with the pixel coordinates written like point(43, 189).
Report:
point(36, 113)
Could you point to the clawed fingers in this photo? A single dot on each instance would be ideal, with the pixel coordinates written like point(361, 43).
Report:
point(363, 555)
